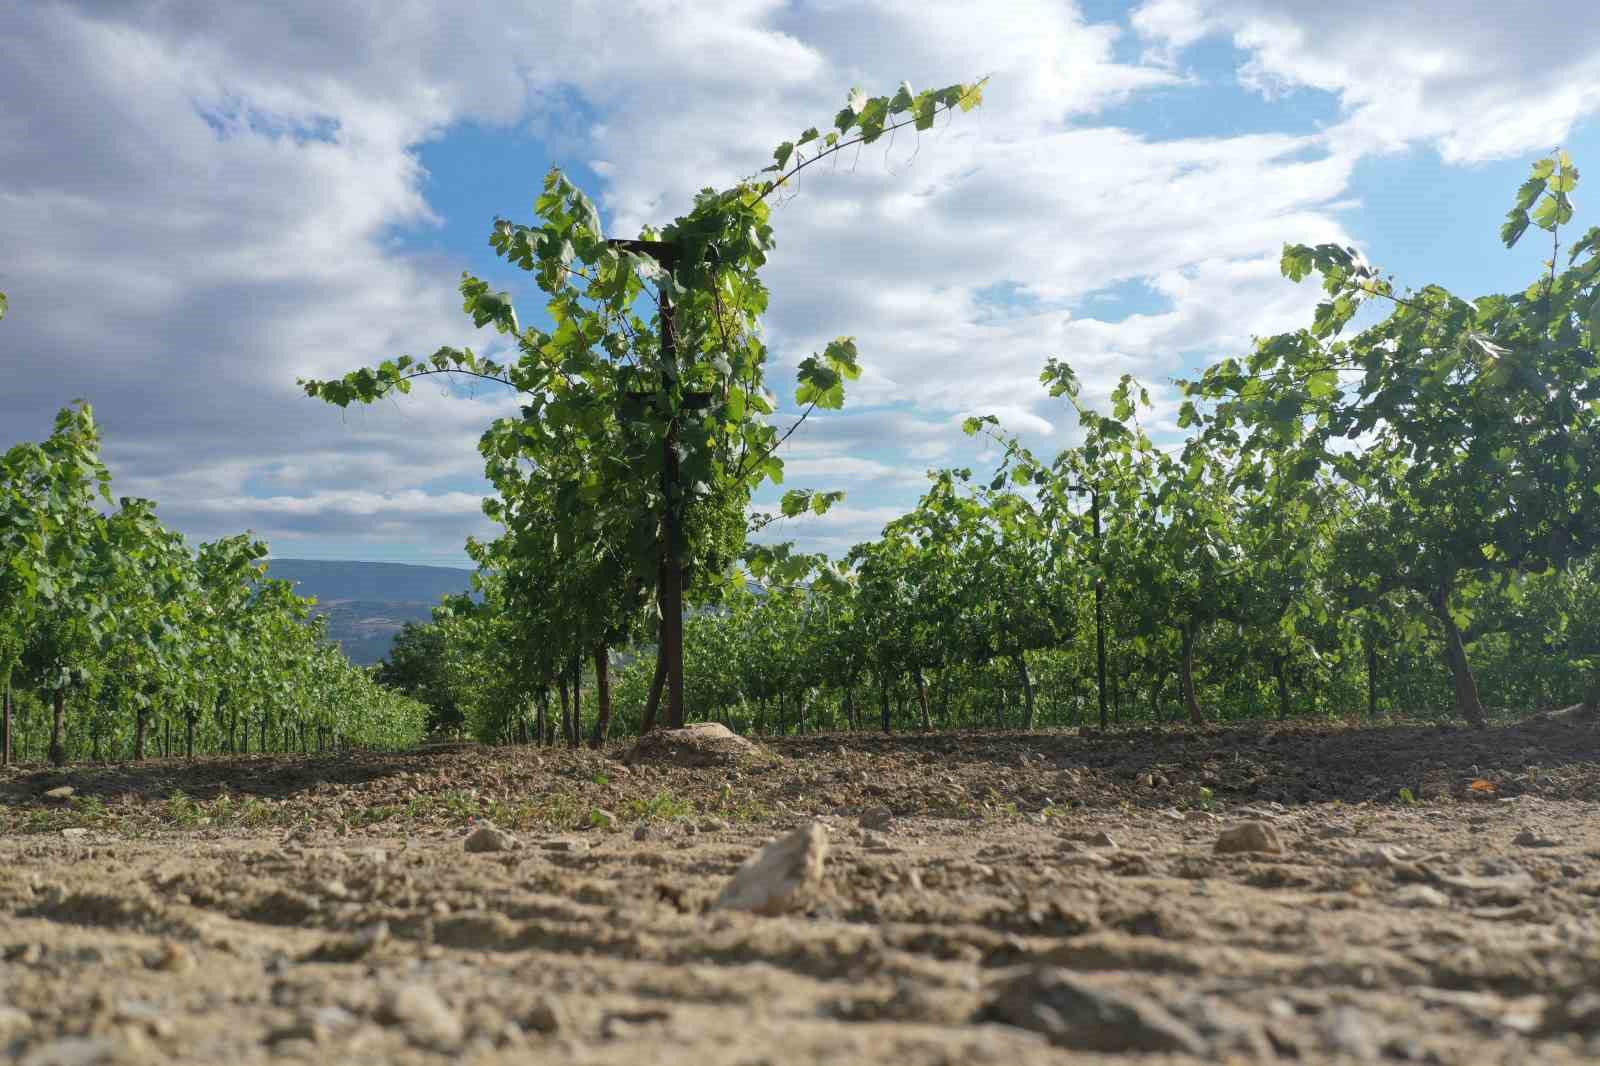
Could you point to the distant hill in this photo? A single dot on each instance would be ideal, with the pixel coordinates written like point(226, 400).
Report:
point(367, 603)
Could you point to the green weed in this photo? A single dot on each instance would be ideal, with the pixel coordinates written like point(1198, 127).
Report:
point(183, 812)
point(663, 806)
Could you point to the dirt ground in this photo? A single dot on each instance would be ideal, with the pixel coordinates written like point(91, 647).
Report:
point(1023, 898)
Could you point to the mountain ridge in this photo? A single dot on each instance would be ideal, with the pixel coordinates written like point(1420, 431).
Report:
point(367, 603)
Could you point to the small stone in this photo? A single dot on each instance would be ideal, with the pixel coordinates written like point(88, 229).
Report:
point(314, 1027)
point(782, 876)
point(145, 1015)
point(422, 1013)
point(1351, 1032)
point(60, 794)
point(1420, 897)
point(75, 833)
point(616, 1024)
point(332, 1018)
point(1073, 1013)
point(171, 957)
point(542, 1017)
point(77, 1051)
point(876, 818)
point(489, 837)
point(646, 832)
point(1101, 839)
point(1528, 838)
point(1249, 837)
point(570, 847)
point(352, 948)
point(713, 825)
point(13, 1023)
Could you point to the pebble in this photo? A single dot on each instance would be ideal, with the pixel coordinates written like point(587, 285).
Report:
point(489, 837)
point(146, 1015)
point(64, 792)
point(75, 833)
point(1351, 1032)
point(781, 877)
point(349, 949)
point(1420, 897)
point(13, 1023)
point(171, 957)
point(424, 1015)
point(1528, 838)
point(570, 847)
point(77, 1051)
point(1076, 1014)
point(615, 1024)
point(1249, 837)
point(542, 1017)
point(315, 1026)
point(876, 818)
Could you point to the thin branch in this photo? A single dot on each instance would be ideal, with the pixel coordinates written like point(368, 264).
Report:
point(739, 474)
point(861, 138)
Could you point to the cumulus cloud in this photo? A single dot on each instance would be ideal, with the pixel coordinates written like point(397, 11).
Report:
point(198, 203)
point(1476, 82)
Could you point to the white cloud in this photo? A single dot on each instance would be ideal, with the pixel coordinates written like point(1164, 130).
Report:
point(209, 213)
point(1476, 81)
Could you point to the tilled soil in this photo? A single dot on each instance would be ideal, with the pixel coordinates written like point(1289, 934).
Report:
point(1023, 898)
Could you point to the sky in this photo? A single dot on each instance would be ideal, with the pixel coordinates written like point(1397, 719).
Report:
point(202, 202)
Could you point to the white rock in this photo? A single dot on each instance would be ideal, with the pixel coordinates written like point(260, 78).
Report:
point(781, 876)
point(13, 1022)
point(1419, 896)
point(488, 837)
point(1249, 836)
point(76, 1051)
point(424, 1015)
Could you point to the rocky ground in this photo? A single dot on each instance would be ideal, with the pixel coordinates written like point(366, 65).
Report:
point(1407, 894)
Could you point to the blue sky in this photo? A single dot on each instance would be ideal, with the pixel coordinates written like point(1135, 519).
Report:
point(237, 195)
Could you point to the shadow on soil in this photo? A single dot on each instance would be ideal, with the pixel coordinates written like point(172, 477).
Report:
point(1555, 754)
point(263, 776)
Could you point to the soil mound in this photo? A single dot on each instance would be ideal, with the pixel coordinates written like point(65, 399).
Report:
point(701, 744)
